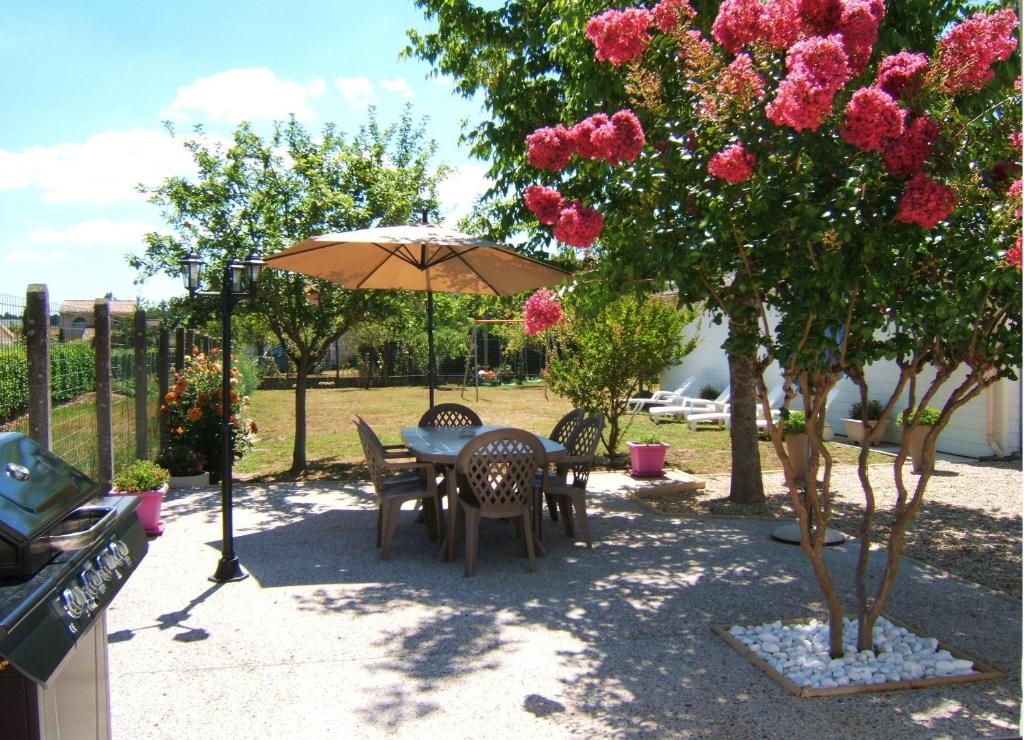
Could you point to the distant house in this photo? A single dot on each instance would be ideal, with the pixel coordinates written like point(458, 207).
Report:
point(987, 425)
point(76, 317)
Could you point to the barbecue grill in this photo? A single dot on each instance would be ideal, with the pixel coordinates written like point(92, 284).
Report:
point(65, 552)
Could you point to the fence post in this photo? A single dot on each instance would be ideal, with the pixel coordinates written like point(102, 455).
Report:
point(141, 386)
point(37, 340)
point(179, 348)
point(104, 395)
point(163, 372)
point(190, 341)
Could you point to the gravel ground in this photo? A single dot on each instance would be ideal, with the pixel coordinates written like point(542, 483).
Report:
point(968, 525)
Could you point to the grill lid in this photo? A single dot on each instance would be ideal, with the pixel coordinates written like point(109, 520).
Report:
point(37, 488)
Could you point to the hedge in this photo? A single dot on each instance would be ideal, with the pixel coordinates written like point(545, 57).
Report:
point(72, 373)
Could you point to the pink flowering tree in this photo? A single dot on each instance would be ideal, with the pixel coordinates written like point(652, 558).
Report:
point(871, 202)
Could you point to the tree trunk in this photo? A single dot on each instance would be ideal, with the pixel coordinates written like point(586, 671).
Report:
point(299, 450)
point(746, 486)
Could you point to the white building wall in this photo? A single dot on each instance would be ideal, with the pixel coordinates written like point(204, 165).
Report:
point(965, 435)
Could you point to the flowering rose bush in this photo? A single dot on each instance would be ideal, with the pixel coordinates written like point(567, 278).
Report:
point(193, 409)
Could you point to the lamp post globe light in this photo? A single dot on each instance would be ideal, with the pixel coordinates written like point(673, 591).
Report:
point(238, 283)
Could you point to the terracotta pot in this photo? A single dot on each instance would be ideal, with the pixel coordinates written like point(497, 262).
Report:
point(796, 448)
point(647, 459)
point(149, 509)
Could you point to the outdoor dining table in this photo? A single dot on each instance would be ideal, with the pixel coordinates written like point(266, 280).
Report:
point(442, 445)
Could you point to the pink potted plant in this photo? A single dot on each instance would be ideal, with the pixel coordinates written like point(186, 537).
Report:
point(647, 456)
point(148, 481)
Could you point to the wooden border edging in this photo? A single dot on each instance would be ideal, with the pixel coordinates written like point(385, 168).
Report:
point(983, 671)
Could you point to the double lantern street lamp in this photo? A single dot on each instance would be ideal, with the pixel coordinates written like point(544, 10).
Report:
point(237, 283)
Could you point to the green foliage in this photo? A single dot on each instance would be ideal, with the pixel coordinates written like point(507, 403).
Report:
point(709, 393)
point(607, 349)
point(875, 409)
point(926, 417)
point(794, 423)
point(249, 375)
point(139, 476)
point(649, 439)
point(13, 381)
point(72, 370)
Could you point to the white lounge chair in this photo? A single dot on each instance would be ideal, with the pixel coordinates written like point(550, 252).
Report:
point(660, 398)
point(724, 418)
point(690, 405)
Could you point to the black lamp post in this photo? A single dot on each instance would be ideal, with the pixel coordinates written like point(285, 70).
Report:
point(238, 282)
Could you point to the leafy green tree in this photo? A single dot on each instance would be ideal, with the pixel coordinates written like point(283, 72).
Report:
point(606, 350)
point(262, 195)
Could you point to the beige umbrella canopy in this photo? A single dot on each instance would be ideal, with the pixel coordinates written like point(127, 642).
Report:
point(417, 257)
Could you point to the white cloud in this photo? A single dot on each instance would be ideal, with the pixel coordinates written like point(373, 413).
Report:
point(24, 255)
point(358, 91)
point(460, 190)
point(95, 231)
point(399, 85)
point(105, 168)
point(249, 94)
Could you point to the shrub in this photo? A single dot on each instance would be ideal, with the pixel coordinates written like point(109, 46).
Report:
point(249, 374)
point(794, 423)
point(140, 475)
point(709, 393)
point(874, 410)
point(926, 417)
point(13, 381)
point(72, 370)
point(649, 439)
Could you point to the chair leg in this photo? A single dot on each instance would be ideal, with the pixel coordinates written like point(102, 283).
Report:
point(391, 511)
point(472, 538)
point(552, 507)
point(580, 504)
point(380, 522)
point(565, 507)
point(438, 519)
point(528, 530)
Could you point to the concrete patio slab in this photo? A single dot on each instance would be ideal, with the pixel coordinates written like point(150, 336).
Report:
point(326, 640)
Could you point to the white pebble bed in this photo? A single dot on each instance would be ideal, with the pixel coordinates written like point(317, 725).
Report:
point(800, 653)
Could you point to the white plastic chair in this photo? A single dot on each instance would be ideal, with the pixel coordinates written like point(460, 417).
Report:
point(689, 405)
point(660, 398)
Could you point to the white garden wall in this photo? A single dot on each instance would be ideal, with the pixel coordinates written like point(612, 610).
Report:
point(965, 435)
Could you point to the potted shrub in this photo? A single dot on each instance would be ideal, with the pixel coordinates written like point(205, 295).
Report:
point(794, 432)
point(186, 467)
point(855, 430)
point(148, 481)
point(647, 456)
point(917, 429)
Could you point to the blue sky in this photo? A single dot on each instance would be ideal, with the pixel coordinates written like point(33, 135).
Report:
point(87, 85)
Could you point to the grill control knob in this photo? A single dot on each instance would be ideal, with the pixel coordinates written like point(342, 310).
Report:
point(93, 583)
point(121, 551)
point(107, 564)
point(74, 601)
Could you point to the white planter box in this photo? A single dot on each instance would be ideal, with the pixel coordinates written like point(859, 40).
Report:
point(190, 481)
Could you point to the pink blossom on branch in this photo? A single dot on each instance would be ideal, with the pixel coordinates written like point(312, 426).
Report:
point(578, 226)
point(1013, 255)
point(858, 24)
point(822, 60)
point(873, 120)
point(733, 164)
point(739, 86)
point(621, 139)
point(740, 22)
point(925, 202)
point(1013, 196)
point(620, 35)
point(966, 53)
point(820, 16)
point(541, 311)
point(550, 148)
point(818, 69)
point(902, 75)
point(668, 15)
point(544, 203)
point(906, 155)
point(583, 132)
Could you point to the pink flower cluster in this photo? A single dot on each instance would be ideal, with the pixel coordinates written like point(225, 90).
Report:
point(541, 311)
point(733, 164)
point(1013, 255)
point(906, 155)
point(550, 148)
point(738, 86)
point(818, 69)
point(574, 224)
point(966, 53)
point(620, 35)
point(738, 23)
point(873, 120)
point(925, 202)
point(544, 203)
point(578, 226)
point(1013, 194)
point(902, 75)
point(617, 139)
point(858, 25)
point(670, 14)
point(1017, 142)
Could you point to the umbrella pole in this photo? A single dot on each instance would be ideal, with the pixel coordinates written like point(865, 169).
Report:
point(430, 345)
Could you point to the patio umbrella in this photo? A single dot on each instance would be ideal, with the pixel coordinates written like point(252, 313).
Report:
point(417, 257)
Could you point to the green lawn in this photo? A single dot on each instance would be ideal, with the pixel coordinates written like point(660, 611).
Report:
point(333, 447)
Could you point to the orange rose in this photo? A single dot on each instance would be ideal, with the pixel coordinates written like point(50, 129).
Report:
point(180, 386)
point(195, 413)
point(234, 396)
point(171, 397)
point(252, 427)
point(203, 398)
